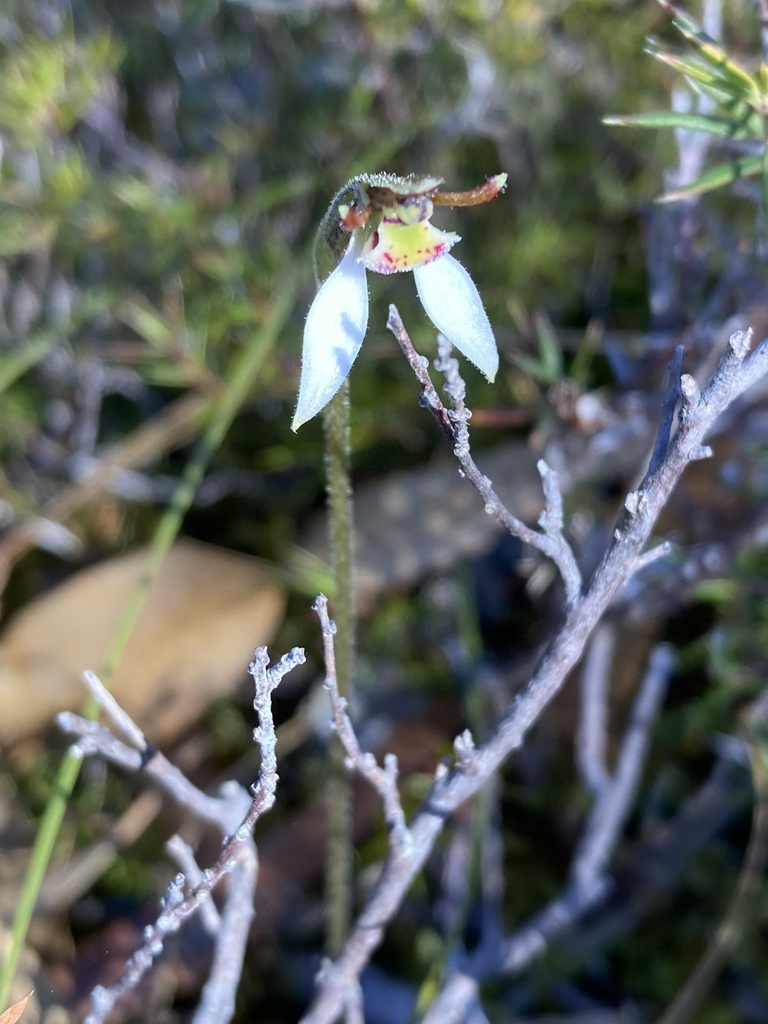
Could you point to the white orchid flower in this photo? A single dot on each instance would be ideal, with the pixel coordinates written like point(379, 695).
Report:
point(389, 220)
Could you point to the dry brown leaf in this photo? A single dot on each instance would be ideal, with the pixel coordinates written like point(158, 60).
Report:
point(13, 1013)
point(206, 611)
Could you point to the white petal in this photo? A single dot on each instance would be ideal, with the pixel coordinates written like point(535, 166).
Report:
point(334, 331)
point(454, 306)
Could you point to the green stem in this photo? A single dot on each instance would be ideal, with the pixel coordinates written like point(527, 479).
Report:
point(340, 850)
point(236, 390)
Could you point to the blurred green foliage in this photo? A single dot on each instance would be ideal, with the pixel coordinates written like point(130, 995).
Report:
point(165, 167)
point(722, 84)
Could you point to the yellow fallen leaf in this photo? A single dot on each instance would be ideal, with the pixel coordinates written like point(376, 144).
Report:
point(206, 611)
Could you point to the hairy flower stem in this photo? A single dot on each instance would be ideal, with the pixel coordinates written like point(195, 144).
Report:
point(339, 866)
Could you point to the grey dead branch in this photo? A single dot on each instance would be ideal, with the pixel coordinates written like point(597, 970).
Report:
point(682, 439)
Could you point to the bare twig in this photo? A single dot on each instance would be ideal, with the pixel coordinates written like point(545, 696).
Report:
point(233, 813)
point(456, 881)
point(383, 780)
point(653, 870)
point(647, 558)
point(217, 1002)
point(454, 424)
point(492, 871)
point(453, 1003)
point(700, 562)
point(587, 884)
point(761, 6)
point(184, 856)
point(139, 755)
point(353, 1011)
point(668, 409)
point(736, 372)
point(616, 799)
point(592, 728)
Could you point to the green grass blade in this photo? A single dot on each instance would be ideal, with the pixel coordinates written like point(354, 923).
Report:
point(735, 109)
point(723, 127)
point(716, 177)
point(702, 71)
point(713, 54)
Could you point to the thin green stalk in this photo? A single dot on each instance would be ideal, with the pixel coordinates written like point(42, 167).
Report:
point(245, 368)
point(340, 849)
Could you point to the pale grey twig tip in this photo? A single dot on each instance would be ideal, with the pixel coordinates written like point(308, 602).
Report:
point(740, 343)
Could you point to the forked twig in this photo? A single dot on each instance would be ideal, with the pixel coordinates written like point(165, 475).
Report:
point(737, 371)
point(233, 812)
point(455, 425)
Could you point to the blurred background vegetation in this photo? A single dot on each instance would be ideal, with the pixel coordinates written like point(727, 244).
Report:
point(164, 165)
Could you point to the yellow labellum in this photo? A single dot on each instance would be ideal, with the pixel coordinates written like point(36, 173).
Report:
point(397, 247)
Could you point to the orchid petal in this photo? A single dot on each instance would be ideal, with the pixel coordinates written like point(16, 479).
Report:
point(333, 333)
point(453, 304)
